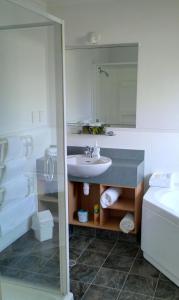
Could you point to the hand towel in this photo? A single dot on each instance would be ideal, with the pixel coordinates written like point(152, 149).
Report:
point(17, 188)
point(12, 169)
point(127, 223)
point(16, 213)
point(159, 179)
point(110, 196)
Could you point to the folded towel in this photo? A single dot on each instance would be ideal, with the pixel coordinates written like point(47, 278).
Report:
point(159, 179)
point(175, 180)
point(127, 223)
point(15, 214)
point(110, 196)
point(18, 188)
point(12, 169)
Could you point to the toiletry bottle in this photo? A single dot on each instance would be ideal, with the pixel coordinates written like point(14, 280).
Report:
point(96, 214)
point(96, 151)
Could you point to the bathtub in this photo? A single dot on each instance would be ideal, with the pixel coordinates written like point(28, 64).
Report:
point(160, 230)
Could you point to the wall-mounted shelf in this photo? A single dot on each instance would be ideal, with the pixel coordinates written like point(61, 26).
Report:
point(129, 201)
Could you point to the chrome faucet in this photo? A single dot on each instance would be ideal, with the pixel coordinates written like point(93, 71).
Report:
point(89, 151)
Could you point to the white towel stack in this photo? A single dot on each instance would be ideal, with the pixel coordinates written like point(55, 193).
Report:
point(14, 183)
point(13, 215)
point(127, 223)
point(160, 179)
point(110, 196)
point(12, 169)
point(15, 189)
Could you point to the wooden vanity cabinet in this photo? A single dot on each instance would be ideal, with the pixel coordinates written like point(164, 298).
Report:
point(129, 201)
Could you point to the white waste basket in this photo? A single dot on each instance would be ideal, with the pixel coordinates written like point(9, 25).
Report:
point(42, 224)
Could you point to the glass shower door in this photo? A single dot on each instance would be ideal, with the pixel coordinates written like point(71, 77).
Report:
point(33, 205)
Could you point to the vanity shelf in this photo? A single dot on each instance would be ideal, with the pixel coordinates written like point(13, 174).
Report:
point(129, 201)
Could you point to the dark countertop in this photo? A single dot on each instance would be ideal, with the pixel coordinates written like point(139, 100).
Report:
point(127, 167)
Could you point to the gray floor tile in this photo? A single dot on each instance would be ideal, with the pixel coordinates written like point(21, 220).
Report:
point(163, 277)
point(140, 254)
point(92, 258)
point(12, 273)
point(9, 261)
point(80, 242)
point(133, 296)
point(99, 245)
point(167, 290)
point(45, 250)
point(110, 278)
point(125, 249)
point(130, 238)
point(78, 288)
point(42, 280)
point(106, 234)
point(74, 253)
point(120, 263)
point(31, 263)
point(79, 231)
point(141, 285)
point(144, 268)
point(51, 268)
point(83, 273)
point(100, 293)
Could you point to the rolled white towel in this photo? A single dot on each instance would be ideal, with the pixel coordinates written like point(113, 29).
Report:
point(159, 179)
point(127, 223)
point(12, 169)
point(110, 196)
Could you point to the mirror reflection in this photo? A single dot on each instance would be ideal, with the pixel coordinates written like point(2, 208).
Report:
point(102, 85)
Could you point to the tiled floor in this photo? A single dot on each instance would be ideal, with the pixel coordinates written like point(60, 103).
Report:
point(109, 266)
point(31, 261)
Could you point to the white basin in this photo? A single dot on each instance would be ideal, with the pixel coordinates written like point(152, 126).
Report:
point(81, 166)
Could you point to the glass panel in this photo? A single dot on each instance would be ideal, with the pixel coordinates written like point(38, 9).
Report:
point(32, 184)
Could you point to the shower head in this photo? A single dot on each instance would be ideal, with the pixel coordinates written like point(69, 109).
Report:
point(100, 70)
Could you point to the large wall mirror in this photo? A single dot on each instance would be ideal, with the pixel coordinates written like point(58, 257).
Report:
point(102, 84)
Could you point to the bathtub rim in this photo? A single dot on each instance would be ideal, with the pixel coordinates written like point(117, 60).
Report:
point(151, 198)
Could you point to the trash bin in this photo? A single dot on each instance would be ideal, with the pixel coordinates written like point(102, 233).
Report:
point(42, 224)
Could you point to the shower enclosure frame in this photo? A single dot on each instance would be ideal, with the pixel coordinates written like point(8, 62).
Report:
point(60, 127)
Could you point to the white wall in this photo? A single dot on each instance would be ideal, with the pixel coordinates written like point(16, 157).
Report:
point(154, 25)
point(26, 93)
point(23, 90)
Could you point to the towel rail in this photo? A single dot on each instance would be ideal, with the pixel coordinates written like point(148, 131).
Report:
point(3, 144)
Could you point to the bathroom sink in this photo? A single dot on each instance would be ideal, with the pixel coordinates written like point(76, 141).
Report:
point(81, 166)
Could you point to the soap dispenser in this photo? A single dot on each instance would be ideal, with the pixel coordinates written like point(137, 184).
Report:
point(96, 151)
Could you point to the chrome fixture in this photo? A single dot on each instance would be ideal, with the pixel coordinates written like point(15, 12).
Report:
point(89, 151)
point(100, 70)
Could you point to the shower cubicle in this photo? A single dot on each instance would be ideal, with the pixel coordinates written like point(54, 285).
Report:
point(32, 129)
